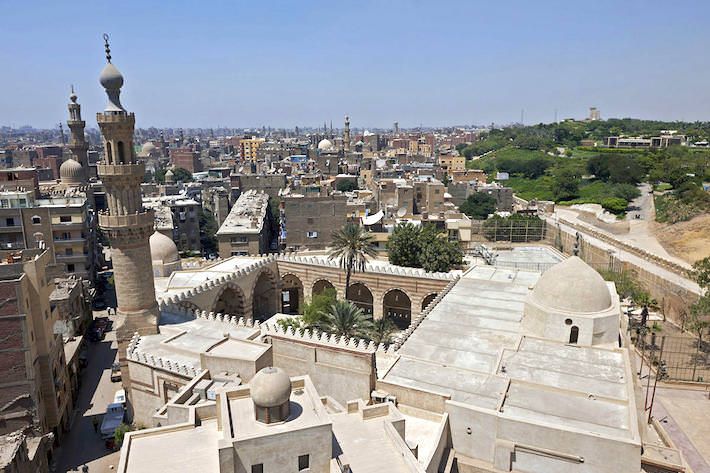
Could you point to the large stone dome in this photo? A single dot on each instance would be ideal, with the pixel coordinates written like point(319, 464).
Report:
point(148, 148)
point(163, 248)
point(270, 387)
point(572, 286)
point(325, 145)
point(71, 171)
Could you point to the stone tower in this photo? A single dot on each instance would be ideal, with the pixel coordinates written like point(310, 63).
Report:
point(77, 144)
point(127, 225)
point(346, 135)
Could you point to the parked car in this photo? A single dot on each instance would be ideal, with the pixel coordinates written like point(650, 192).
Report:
point(112, 419)
point(115, 372)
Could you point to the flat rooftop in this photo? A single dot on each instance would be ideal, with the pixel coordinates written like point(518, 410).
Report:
point(471, 346)
point(247, 214)
point(191, 449)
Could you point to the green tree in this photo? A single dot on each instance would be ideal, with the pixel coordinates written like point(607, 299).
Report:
point(701, 272)
point(382, 331)
point(319, 304)
point(348, 185)
point(614, 204)
point(627, 192)
point(479, 205)
point(346, 319)
point(438, 253)
point(699, 314)
point(208, 232)
point(352, 245)
point(404, 245)
point(565, 186)
point(181, 175)
point(120, 433)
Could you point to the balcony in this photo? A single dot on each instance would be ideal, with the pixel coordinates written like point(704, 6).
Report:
point(75, 258)
point(11, 229)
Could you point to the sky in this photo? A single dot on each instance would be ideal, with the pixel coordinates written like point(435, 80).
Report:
point(301, 63)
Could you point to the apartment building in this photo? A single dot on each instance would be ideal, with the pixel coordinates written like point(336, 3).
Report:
point(308, 222)
point(247, 228)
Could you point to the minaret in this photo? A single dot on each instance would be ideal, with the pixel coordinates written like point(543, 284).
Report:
point(346, 135)
point(77, 143)
point(127, 225)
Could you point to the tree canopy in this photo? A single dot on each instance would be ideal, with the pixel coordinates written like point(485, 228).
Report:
point(479, 205)
point(425, 248)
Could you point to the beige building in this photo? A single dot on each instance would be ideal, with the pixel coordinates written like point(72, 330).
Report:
point(451, 164)
point(308, 221)
point(33, 373)
point(247, 228)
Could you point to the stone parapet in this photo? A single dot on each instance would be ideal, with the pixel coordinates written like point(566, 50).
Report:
point(122, 117)
point(141, 219)
point(369, 267)
point(133, 353)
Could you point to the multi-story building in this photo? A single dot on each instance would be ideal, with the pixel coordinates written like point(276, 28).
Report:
point(428, 194)
point(308, 222)
point(247, 228)
point(216, 201)
point(20, 178)
point(186, 158)
point(63, 225)
point(33, 384)
point(185, 219)
point(71, 298)
point(271, 184)
point(249, 147)
point(451, 164)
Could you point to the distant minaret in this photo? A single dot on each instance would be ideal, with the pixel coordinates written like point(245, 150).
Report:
point(396, 128)
point(61, 134)
point(127, 225)
point(77, 142)
point(346, 135)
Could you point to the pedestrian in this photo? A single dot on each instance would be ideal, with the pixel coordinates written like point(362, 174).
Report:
point(84, 469)
point(95, 421)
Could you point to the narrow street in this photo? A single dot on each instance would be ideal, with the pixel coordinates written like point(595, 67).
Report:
point(82, 445)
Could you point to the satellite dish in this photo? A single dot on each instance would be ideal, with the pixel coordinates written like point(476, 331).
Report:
point(401, 212)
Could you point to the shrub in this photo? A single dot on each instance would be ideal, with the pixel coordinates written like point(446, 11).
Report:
point(615, 204)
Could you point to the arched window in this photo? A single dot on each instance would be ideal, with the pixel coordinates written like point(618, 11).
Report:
point(121, 153)
point(36, 220)
point(574, 334)
point(109, 153)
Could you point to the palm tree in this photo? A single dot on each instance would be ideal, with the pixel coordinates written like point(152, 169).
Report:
point(352, 245)
point(382, 330)
point(346, 319)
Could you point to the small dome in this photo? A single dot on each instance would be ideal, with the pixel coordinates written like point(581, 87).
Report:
point(572, 286)
point(148, 148)
point(270, 387)
point(111, 77)
point(71, 171)
point(163, 248)
point(325, 145)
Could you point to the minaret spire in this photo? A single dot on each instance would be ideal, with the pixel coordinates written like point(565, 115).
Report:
point(77, 143)
point(346, 134)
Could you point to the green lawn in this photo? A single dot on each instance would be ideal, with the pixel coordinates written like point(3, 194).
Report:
point(528, 189)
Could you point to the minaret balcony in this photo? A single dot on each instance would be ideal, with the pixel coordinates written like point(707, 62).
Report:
point(114, 117)
point(118, 170)
point(121, 221)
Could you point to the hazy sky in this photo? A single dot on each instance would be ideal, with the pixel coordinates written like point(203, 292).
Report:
point(288, 63)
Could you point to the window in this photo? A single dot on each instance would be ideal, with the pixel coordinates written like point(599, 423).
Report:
point(303, 461)
point(10, 222)
point(70, 268)
point(258, 468)
point(65, 218)
point(311, 234)
point(69, 252)
point(36, 220)
point(121, 153)
point(574, 334)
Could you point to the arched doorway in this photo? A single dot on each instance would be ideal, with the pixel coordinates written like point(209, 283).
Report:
point(321, 285)
point(428, 300)
point(398, 307)
point(265, 299)
point(361, 296)
point(230, 301)
point(291, 294)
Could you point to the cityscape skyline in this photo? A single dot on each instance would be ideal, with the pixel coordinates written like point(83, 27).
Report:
point(376, 63)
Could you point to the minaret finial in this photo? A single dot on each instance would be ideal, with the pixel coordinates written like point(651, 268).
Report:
point(107, 47)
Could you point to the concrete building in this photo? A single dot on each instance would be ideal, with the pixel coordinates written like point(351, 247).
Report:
point(33, 380)
point(308, 221)
point(22, 452)
point(247, 228)
point(126, 224)
point(451, 164)
point(184, 216)
point(249, 148)
point(215, 200)
point(71, 298)
point(428, 195)
point(271, 184)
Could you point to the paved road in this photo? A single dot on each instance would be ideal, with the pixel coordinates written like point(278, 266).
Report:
point(82, 445)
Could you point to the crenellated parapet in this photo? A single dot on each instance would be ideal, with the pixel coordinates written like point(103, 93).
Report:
point(318, 337)
point(323, 261)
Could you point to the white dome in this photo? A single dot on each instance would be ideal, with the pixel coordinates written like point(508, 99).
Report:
point(163, 248)
point(572, 286)
point(71, 171)
point(148, 147)
point(270, 387)
point(325, 145)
